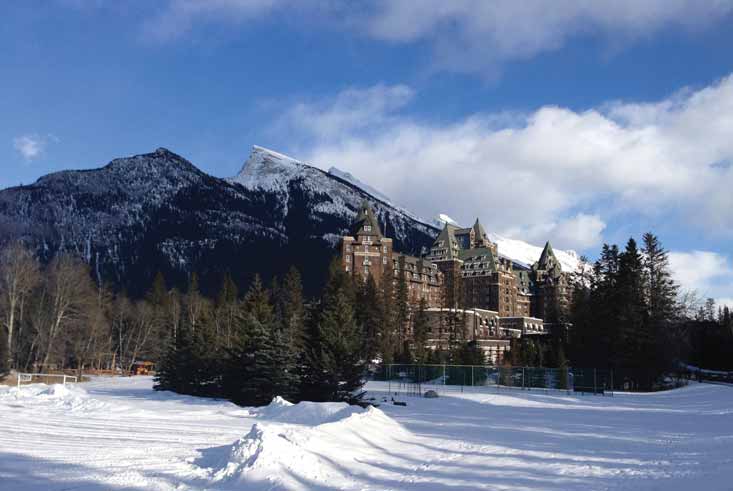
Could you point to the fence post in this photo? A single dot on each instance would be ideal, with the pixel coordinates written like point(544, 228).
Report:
point(387, 373)
point(64, 380)
point(523, 372)
point(471, 375)
point(19, 380)
point(443, 373)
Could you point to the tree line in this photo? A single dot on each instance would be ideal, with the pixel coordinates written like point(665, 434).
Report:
point(625, 314)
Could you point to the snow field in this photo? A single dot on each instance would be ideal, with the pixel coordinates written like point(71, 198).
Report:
point(117, 433)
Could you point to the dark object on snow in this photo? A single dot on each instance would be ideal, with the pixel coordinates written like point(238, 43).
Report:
point(431, 394)
point(399, 403)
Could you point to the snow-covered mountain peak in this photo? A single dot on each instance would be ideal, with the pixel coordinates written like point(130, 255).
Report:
point(267, 169)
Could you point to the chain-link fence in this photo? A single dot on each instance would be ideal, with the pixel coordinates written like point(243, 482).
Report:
point(416, 379)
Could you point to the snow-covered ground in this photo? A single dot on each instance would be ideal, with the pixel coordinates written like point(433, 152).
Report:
point(116, 433)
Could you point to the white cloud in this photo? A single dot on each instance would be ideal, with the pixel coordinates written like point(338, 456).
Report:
point(178, 17)
point(30, 146)
point(553, 173)
point(710, 273)
point(465, 35)
point(475, 35)
point(350, 111)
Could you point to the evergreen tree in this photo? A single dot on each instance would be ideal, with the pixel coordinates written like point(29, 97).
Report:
point(263, 368)
point(367, 313)
point(227, 307)
point(420, 332)
point(261, 362)
point(632, 337)
point(662, 290)
point(664, 337)
point(175, 372)
point(388, 323)
point(470, 354)
point(257, 302)
point(402, 313)
point(291, 310)
point(335, 368)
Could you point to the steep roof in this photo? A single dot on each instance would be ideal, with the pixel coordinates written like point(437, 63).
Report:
point(366, 219)
point(448, 239)
point(547, 258)
point(479, 231)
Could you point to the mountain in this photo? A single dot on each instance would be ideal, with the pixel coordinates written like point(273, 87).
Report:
point(158, 212)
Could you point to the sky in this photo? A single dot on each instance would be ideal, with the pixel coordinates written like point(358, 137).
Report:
point(571, 121)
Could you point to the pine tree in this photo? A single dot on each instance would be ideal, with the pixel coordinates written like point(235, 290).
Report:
point(402, 313)
point(227, 305)
point(662, 290)
point(632, 336)
point(263, 367)
point(470, 354)
point(663, 307)
point(176, 370)
point(420, 332)
point(291, 310)
point(387, 323)
point(335, 366)
point(367, 313)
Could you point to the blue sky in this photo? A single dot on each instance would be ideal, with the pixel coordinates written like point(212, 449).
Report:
point(580, 123)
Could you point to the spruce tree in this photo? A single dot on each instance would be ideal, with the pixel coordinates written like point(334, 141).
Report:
point(291, 310)
point(226, 310)
point(662, 290)
point(663, 307)
point(402, 313)
point(421, 332)
point(367, 312)
point(632, 336)
point(387, 323)
point(335, 366)
point(261, 363)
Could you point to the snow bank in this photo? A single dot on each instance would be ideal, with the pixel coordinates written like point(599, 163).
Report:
point(296, 443)
point(307, 413)
point(66, 397)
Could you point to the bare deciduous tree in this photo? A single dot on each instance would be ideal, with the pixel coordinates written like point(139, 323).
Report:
point(71, 296)
point(19, 275)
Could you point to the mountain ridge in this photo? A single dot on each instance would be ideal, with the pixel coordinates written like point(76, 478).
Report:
point(157, 211)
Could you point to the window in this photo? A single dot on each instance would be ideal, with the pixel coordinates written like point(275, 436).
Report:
point(366, 247)
point(348, 268)
point(367, 228)
point(384, 259)
point(348, 257)
point(348, 248)
point(385, 249)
